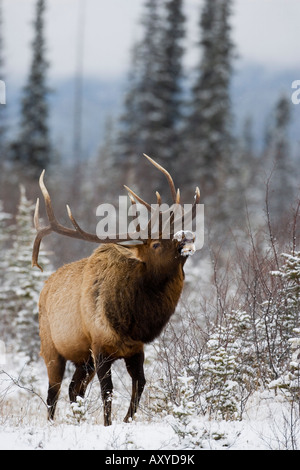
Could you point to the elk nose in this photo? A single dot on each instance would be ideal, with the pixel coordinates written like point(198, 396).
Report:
point(188, 248)
point(186, 241)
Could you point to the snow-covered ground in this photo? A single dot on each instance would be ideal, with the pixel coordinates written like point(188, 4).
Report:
point(268, 422)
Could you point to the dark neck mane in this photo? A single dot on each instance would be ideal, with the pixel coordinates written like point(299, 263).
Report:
point(145, 308)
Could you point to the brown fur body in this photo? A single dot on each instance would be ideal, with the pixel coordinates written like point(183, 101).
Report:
point(106, 307)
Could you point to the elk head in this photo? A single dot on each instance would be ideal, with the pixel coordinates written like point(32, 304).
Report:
point(158, 244)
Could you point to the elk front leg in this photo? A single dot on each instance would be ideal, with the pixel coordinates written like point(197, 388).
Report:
point(104, 375)
point(135, 368)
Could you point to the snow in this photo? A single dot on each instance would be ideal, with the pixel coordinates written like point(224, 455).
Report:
point(259, 430)
point(267, 422)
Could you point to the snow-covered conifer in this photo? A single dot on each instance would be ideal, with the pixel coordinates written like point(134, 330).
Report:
point(5, 244)
point(209, 128)
point(185, 412)
point(152, 106)
point(219, 370)
point(32, 146)
point(288, 318)
point(22, 283)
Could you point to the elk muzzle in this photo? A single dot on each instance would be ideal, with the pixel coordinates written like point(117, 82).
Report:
point(186, 242)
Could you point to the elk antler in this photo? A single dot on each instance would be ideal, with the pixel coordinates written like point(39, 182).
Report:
point(55, 226)
point(176, 215)
point(79, 234)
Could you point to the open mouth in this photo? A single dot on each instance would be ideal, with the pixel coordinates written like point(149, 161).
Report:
point(186, 243)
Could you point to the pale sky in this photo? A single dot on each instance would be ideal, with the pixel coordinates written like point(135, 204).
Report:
point(264, 31)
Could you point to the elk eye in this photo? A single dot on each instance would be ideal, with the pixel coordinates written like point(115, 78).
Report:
point(156, 245)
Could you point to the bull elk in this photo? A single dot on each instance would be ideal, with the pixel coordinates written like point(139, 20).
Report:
point(107, 306)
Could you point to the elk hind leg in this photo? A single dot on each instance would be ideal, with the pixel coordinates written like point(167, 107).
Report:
point(56, 369)
point(135, 368)
point(83, 374)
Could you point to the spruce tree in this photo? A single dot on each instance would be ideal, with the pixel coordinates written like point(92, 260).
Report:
point(32, 146)
point(279, 156)
point(170, 76)
point(139, 123)
point(208, 131)
point(152, 104)
point(126, 154)
point(149, 56)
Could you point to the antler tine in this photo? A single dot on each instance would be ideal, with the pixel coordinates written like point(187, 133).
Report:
point(36, 215)
point(158, 198)
point(132, 200)
point(192, 212)
point(133, 203)
point(167, 175)
point(41, 232)
point(47, 199)
point(197, 196)
point(154, 221)
point(138, 198)
point(177, 214)
point(196, 201)
point(56, 226)
point(75, 224)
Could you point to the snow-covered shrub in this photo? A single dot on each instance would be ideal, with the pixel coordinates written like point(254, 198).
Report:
point(229, 366)
point(288, 378)
point(185, 413)
point(79, 411)
point(219, 387)
point(5, 217)
point(289, 382)
point(179, 348)
point(5, 239)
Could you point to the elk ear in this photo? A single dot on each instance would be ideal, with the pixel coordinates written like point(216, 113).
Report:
point(131, 243)
point(131, 249)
